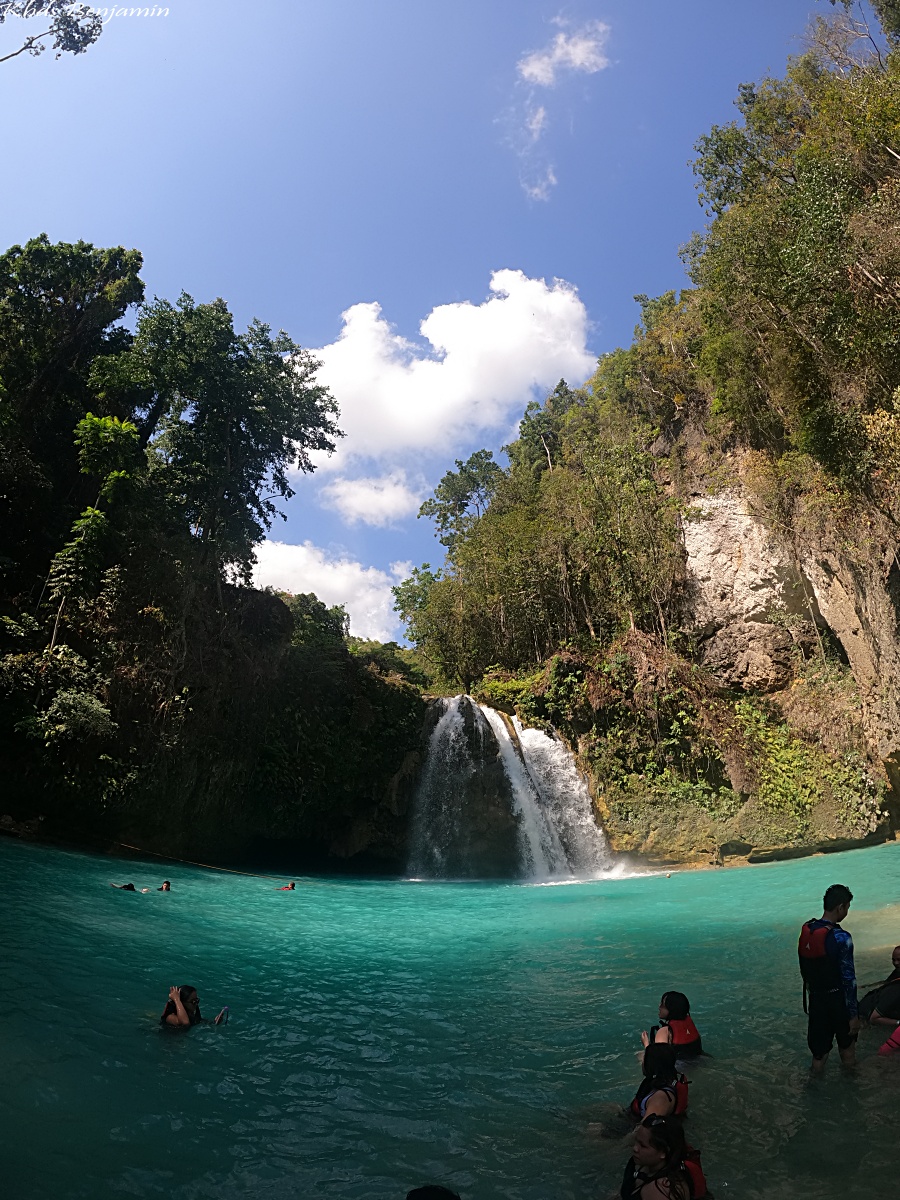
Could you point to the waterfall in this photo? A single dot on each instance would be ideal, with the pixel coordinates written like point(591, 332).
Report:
point(566, 800)
point(541, 851)
point(497, 800)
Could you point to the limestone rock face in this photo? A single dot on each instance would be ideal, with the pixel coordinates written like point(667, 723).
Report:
point(739, 579)
point(741, 574)
point(861, 603)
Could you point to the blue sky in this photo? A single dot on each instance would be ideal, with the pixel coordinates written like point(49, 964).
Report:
point(509, 172)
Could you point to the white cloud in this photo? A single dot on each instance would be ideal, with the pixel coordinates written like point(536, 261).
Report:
point(381, 501)
point(582, 51)
point(364, 591)
point(398, 402)
point(540, 187)
point(536, 122)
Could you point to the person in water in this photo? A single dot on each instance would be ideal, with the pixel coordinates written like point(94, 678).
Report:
point(675, 1026)
point(661, 1166)
point(124, 887)
point(663, 1091)
point(183, 1009)
point(825, 951)
point(881, 1005)
point(432, 1191)
point(288, 888)
point(166, 887)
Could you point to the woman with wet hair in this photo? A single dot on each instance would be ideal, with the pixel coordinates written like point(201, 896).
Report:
point(183, 1008)
point(663, 1092)
point(675, 1026)
point(660, 1167)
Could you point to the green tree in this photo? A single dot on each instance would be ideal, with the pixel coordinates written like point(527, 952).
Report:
point(462, 495)
point(538, 443)
point(887, 12)
point(225, 415)
point(60, 311)
point(71, 25)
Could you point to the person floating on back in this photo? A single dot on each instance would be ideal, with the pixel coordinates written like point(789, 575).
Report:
point(675, 1026)
point(829, 980)
point(663, 1091)
point(287, 888)
point(662, 1166)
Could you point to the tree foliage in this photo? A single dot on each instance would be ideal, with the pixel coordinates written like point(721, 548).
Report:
point(71, 27)
point(138, 470)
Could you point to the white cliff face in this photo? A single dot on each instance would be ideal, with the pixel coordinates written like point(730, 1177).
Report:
point(861, 603)
point(737, 571)
point(740, 574)
point(739, 578)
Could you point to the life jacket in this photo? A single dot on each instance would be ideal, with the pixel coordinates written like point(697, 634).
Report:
point(633, 1181)
point(678, 1090)
point(819, 968)
point(892, 1045)
point(696, 1178)
point(684, 1031)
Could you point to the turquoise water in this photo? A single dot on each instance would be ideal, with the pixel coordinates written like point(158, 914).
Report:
point(386, 1034)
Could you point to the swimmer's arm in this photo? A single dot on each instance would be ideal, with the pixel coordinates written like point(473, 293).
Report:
point(878, 1018)
point(660, 1104)
point(179, 1016)
point(844, 945)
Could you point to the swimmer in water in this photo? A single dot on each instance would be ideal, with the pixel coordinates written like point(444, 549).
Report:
point(124, 887)
point(183, 1009)
point(675, 1026)
point(289, 888)
point(166, 887)
point(662, 1167)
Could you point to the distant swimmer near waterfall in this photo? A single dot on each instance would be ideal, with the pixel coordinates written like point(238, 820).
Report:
point(829, 980)
point(288, 887)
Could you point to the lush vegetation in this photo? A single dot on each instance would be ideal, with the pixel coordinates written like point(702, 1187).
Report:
point(143, 684)
point(562, 593)
point(146, 689)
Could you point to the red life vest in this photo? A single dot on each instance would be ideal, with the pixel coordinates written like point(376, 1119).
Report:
point(683, 1032)
point(678, 1091)
point(820, 970)
point(696, 1178)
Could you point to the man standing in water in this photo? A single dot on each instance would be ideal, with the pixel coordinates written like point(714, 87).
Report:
point(829, 980)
